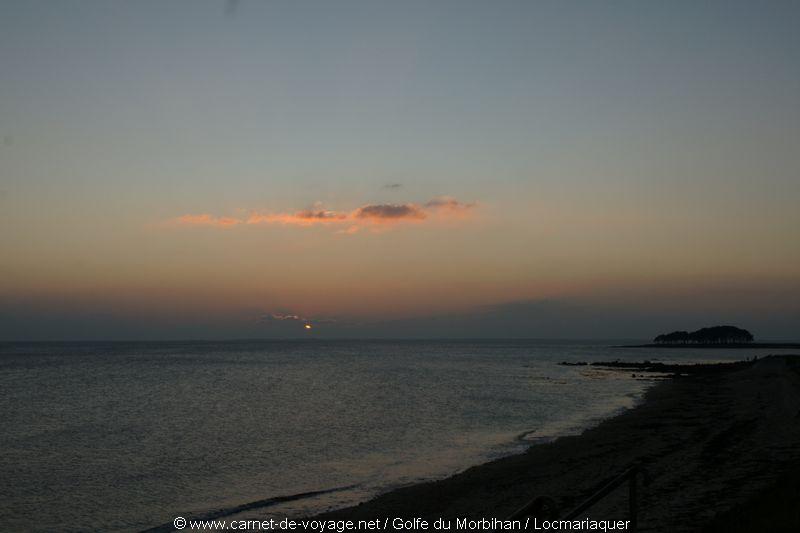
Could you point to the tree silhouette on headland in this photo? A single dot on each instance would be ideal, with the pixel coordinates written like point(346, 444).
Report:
point(713, 335)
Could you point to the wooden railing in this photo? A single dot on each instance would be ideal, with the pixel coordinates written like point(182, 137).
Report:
point(545, 508)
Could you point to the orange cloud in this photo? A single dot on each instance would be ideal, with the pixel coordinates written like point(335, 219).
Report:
point(371, 214)
point(208, 220)
point(301, 218)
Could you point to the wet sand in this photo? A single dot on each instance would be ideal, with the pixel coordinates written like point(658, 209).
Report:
point(708, 441)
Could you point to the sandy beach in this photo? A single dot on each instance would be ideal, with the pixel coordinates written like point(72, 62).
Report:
point(709, 441)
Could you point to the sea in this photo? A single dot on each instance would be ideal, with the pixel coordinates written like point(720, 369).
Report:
point(126, 436)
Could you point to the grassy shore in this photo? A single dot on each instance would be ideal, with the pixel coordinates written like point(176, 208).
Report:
point(714, 442)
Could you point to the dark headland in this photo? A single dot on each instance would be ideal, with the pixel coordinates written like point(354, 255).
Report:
point(720, 445)
point(713, 337)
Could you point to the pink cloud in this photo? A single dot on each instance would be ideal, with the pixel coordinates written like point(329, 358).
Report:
point(449, 204)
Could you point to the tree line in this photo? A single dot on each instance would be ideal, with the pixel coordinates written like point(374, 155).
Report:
point(712, 335)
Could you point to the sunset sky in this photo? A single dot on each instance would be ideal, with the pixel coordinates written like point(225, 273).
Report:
point(203, 169)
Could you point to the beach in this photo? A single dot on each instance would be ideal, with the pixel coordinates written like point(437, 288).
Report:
point(709, 441)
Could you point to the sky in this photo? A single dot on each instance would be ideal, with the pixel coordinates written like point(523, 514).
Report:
point(207, 169)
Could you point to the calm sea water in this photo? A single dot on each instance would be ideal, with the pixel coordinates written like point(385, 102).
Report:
point(126, 436)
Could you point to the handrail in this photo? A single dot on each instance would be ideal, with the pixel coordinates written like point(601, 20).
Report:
point(543, 504)
point(540, 507)
point(628, 475)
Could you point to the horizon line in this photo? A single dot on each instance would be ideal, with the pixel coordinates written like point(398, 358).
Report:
point(350, 339)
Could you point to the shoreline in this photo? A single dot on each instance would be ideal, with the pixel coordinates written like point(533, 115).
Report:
point(521, 442)
point(708, 439)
